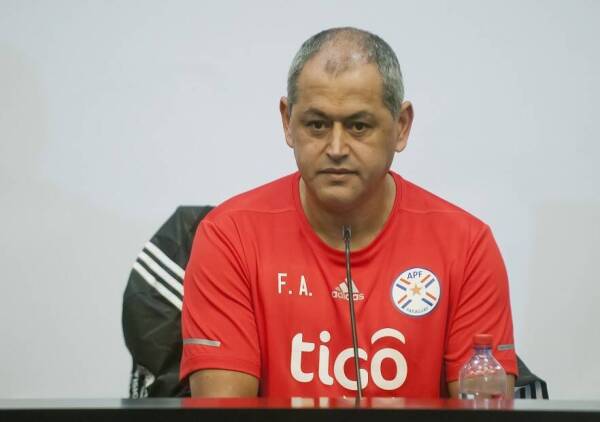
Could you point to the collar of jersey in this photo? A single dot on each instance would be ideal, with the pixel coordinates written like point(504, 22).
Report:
point(358, 256)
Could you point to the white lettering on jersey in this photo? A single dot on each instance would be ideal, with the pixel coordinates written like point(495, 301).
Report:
point(341, 292)
point(338, 368)
point(303, 287)
point(299, 346)
point(280, 281)
point(388, 353)
point(324, 376)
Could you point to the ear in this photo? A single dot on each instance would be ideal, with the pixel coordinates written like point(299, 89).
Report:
point(404, 122)
point(285, 111)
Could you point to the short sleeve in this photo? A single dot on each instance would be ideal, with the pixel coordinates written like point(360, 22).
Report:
point(480, 304)
point(218, 323)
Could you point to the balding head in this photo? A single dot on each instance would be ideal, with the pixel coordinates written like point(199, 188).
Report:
point(340, 49)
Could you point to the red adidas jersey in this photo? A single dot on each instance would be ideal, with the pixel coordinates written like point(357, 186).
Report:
point(266, 296)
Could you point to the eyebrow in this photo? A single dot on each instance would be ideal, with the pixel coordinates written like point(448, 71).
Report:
point(358, 115)
point(316, 111)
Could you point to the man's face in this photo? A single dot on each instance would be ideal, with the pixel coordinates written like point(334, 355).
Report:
point(344, 138)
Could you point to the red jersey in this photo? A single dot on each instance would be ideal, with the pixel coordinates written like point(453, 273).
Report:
point(266, 296)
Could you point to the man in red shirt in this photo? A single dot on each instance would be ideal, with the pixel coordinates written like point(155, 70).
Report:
point(266, 302)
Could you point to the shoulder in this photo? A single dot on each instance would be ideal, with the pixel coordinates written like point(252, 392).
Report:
point(424, 205)
point(271, 198)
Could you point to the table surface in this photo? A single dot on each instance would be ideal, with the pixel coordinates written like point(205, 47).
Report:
point(300, 409)
point(304, 403)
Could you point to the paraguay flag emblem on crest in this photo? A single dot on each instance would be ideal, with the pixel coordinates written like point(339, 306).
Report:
point(416, 292)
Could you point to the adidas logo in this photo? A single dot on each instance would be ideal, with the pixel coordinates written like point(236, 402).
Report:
point(341, 292)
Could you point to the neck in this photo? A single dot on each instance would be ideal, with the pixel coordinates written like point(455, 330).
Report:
point(366, 219)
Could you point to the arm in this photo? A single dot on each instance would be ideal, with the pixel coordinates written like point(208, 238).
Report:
point(453, 387)
point(481, 305)
point(221, 354)
point(223, 383)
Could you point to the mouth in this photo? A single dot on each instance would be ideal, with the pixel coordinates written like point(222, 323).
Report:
point(336, 171)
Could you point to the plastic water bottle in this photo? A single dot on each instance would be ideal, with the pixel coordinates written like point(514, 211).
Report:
point(482, 377)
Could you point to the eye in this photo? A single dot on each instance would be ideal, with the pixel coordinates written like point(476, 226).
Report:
point(359, 127)
point(316, 125)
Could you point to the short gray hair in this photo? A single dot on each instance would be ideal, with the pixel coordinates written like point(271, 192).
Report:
point(375, 49)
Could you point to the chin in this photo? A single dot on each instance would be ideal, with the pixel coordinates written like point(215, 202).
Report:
point(334, 200)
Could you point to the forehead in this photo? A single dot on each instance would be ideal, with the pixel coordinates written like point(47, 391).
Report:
point(335, 86)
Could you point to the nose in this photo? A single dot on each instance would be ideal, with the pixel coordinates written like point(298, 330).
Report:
point(337, 148)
